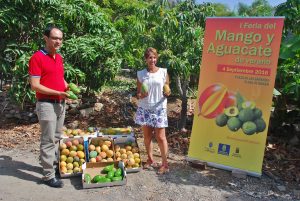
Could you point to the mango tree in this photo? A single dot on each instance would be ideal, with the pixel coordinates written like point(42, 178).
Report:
point(176, 30)
point(91, 43)
point(128, 17)
point(19, 28)
point(179, 38)
point(288, 79)
point(257, 8)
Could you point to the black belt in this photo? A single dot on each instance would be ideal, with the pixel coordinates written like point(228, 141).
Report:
point(52, 100)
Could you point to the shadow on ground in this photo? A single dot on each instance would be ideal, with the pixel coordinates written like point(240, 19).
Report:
point(19, 169)
point(181, 173)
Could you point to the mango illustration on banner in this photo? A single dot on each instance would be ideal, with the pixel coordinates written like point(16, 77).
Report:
point(212, 100)
point(231, 109)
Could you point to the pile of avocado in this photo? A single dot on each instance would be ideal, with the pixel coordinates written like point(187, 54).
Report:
point(245, 116)
point(112, 175)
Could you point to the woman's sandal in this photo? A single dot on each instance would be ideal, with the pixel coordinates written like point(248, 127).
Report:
point(150, 165)
point(163, 169)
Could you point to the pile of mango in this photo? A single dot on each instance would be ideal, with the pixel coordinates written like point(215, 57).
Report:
point(71, 156)
point(108, 174)
point(129, 154)
point(101, 150)
point(116, 131)
point(77, 132)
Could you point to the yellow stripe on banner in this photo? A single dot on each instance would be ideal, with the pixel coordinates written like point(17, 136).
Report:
point(213, 102)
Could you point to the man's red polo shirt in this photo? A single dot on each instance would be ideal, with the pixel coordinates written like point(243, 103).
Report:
point(50, 71)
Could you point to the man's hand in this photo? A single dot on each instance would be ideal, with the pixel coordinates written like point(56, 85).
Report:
point(63, 94)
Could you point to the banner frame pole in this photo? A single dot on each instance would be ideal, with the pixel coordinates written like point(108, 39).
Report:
point(223, 167)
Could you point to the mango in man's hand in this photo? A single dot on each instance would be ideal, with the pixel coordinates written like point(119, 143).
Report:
point(72, 95)
point(74, 88)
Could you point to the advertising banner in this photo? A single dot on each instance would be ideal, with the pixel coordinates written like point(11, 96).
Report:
point(235, 89)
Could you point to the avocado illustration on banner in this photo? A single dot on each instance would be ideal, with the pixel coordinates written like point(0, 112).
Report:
point(231, 109)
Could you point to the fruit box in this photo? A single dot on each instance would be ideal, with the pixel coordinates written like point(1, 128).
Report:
point(116, 132)
point(71, 156)
point(100, 149)
point(127, 150)
point(94, 169)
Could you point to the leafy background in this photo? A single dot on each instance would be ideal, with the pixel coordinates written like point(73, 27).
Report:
point(103, 37)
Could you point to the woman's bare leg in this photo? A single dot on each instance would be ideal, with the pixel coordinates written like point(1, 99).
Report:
point(147, 130)
point(160, 135)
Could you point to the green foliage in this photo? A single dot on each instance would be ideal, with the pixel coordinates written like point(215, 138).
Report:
point(290, 48)
point(257, 8)
point(101, 36)
point(96, 56)
point(165, 26)
point(222, 10)
point(74, 75)
point(18, 28)
point(91, 45)
point(120, 85)
point(291, 10)
point(21, 87)
point(174, 29)
point(287, 78)
point(128, 18)
point(183, 24)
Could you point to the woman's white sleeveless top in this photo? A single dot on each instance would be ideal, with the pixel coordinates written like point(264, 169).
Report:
point(154, 82)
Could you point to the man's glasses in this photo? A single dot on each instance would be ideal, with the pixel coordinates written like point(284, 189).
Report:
point(55, 38)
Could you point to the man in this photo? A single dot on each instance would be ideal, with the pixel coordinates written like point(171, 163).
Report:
point(46, 72)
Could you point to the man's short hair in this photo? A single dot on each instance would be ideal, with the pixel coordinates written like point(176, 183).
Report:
point(49, 29)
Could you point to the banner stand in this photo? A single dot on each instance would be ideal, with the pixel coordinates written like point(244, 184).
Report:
point(224, 167)
point(196, 163)
point(235, 91)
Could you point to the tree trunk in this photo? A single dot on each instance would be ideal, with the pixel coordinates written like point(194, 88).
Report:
point(182, 88)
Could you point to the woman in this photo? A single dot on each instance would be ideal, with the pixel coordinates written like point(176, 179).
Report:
point(152, 108)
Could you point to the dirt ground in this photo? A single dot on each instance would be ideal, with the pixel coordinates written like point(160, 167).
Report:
point(20, 175)
point(20, 172)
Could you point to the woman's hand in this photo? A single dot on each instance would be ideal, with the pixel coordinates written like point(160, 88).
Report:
point(167, 94)
point(166, 90)
point(142, 95)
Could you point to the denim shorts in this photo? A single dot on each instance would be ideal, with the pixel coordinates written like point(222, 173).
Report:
point(157, 118)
